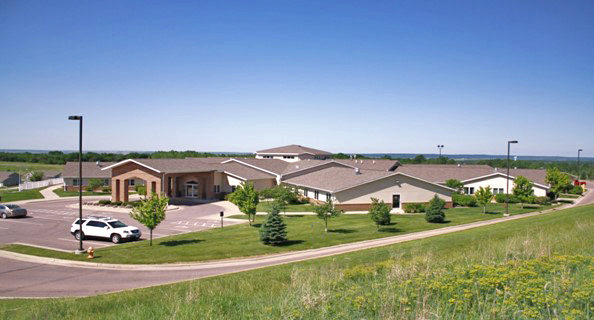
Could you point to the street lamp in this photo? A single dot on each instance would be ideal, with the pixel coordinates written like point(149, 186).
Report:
point(507, 188)
point(579, 171)
point(439, 146)
point(80, 179)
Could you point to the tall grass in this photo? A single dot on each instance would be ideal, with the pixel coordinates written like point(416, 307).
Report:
point(538, 267)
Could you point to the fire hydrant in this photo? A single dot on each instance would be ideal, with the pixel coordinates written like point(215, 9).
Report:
point(91, 252)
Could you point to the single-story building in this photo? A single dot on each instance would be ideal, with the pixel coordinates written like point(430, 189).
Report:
point(350, 183)
point(8, 178)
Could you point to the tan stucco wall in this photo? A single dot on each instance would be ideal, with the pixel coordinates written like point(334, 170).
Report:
point(410, 190)
point(263, 184)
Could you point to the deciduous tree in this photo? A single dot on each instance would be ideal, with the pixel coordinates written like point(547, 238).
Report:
point(523, 189)
point(379, 212)
point(326, 211)
point(484, 196)
point(150, 212)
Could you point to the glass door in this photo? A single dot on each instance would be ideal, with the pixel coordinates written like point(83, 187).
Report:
point(191, 190)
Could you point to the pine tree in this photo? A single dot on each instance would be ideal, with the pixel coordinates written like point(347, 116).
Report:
point(274, 230)
point(434, 212)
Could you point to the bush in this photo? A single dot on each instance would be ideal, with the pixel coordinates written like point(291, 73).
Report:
point(530, 199)
point(89, 189)
point(379, 212)
point(284, 193)
point(576, 190)
point(106, 189)
point(464, 200)
point(500, 198)
point(434, 212)
point(36, 176)
point(117, 203)
point(542, 200)
point(141, 190)
point(414, 207)
point(104, 202)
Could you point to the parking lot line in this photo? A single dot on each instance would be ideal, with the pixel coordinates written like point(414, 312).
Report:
point(3, 228)
point(38, 224)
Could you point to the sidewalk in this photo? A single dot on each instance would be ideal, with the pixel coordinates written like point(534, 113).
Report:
point(49, 194)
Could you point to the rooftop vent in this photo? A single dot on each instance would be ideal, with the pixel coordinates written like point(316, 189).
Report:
point(459, 165)
point(373, 161)
point(357, 171)
point(97, 163)
point(496, 169)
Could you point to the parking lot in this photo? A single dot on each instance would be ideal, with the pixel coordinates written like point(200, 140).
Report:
point(48, 224)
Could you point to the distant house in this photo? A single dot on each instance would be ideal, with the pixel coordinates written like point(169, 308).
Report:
point(90, 170)
point(8, 178)
point(51, 174)
point(293, 153)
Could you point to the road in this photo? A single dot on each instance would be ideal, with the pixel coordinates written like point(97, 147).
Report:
point(26, 276)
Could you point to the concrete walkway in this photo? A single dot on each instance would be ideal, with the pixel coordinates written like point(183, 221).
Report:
point(49, 194)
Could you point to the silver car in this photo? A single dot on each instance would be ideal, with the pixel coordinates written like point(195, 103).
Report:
point(11, 211)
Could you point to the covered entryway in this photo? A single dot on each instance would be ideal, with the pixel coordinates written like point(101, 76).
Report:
point(121, 174)
point(191, 189)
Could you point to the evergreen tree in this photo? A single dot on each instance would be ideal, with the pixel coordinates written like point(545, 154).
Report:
point(434, 212)
point(274, 230)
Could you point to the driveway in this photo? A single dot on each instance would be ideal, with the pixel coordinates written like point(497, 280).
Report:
point(48, 223)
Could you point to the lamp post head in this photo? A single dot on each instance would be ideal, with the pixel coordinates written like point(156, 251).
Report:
point(75, 118)
point(580, 150)
point(513, 141)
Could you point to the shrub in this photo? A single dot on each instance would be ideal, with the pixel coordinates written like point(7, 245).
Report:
point(500, 198)
point(36, 176)
point(104, 202)
point(141, 190)
point(106, 189)
point(117, 203)
point(576, 190)
point(89, 189)
point(379, 212)
point(464, 200)
point(434, 212)
point(414, 207)
point(542, 200)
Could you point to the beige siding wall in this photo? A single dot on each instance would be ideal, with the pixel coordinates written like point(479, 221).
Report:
point(263, 183)
point(501, 182)
point(410, 190)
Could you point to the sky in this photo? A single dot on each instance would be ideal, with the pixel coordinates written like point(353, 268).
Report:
point(341, 76)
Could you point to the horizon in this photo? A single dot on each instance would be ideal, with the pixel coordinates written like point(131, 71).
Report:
point(349, 76)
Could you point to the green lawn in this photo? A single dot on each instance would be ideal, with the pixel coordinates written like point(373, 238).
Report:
point(264, 206)
point(63, 193)
point(568, 196)
point(15, 195)
point(510, 269)
point(304, 232)
point(28, 166)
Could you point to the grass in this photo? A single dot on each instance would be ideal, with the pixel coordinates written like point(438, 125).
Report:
point(568, 196)
point(14, 195)
point(304, 232)
point(264, 206)
point(525, 263)
point(63, 193)
point(28, 166)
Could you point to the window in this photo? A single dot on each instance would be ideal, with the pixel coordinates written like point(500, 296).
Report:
point(96, 224)
point(328, 197)
point(468, 190)
point(267, 157)
point(233, 188)
point(77, 221)
point(316, 194)
point(288, 157)
point(305, 192)
point(396, 201)
point(106, 182)
point(131, 182)
point(217, 189)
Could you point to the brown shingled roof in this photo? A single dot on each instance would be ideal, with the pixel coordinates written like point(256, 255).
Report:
point(371, 164)
point(336, 178)
point(440, 173)
point(90, 170)
point(294, 149)
point(245, 172)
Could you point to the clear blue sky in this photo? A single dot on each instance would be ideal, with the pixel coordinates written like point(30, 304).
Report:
point(342, 76)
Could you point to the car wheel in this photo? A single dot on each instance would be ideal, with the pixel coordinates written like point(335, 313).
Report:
point(78, 235)
point(116, 238)
point(4, 216)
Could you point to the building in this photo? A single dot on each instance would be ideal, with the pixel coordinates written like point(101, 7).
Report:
point(8, 178)
point(349, 183)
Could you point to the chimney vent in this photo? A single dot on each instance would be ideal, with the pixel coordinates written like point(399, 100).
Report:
point(357, 171)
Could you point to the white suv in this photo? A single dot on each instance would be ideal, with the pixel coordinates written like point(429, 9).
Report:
point(104, 227)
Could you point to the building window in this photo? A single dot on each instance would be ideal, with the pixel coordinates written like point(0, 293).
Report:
point(131, 182)
point(468, 190)
point(305, 192)
point(76, 182)
point(395, 201)
point(217, 189)
point(267, 157)
point(497, 190)
point(288, 157)
point(316, 194)
point(233, 188)
point(328, 197)
point(105, 182)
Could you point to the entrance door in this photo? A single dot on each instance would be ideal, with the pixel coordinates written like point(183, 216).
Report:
point(192, 190)
point(396, 201)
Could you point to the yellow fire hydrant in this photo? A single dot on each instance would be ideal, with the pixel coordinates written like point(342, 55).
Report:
point(91, 252)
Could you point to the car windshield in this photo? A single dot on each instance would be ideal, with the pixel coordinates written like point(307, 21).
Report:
point(12, 206)
point(76, 222)
point(117, 224)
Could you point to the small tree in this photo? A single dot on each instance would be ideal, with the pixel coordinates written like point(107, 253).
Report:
point(150, 212)
point(95, 184)
point(434, 212)
point(379, 212)
point(326, 211)
point(141, 190)
point(455, 184)
point(246, 198)
point(560, 182)
point(274, 230)
point(36, 176)
point(523, 189)
point(484, 196)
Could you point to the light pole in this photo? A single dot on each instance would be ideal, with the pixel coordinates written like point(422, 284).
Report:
point(507, 188)
point(579, 172)
point(440, 146)
point(80, 239)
